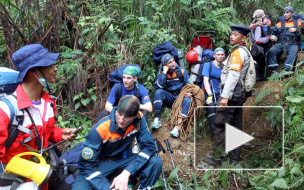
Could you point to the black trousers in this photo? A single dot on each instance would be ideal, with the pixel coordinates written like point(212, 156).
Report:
point(232, 116)
point(260, 67)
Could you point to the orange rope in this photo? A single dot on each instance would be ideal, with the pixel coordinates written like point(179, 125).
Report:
point(186, 123)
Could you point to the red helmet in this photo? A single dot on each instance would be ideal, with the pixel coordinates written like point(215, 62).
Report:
point(192, 56)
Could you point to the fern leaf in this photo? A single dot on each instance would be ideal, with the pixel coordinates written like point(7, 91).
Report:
point(263, 94)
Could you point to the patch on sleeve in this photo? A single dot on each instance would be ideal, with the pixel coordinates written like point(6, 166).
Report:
point(236, 61)
point(146, 98)
point(87, 153)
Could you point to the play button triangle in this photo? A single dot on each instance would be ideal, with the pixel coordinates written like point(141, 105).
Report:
point(235, 138)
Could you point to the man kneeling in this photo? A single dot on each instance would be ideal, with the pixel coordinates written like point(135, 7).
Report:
point(105, 153)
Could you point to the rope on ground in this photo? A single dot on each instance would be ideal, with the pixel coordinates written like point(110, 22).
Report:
point(186, 124)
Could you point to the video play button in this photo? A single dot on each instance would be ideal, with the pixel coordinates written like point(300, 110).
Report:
point(235, 137)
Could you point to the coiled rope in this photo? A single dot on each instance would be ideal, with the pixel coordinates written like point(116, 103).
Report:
point(186, 124)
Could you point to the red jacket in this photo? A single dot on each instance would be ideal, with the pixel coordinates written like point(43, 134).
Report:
point(44, 118)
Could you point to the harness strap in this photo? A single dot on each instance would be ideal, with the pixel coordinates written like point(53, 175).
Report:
point(18, 181)
point(16, 121)
point(38, 139)
point(7, 179)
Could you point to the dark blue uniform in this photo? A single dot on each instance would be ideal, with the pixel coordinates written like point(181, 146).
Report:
point(101, 157)
point(168, 87)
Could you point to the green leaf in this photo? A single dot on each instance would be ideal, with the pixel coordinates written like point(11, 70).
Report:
point(296, 170)
point(85, 101)
point(280, 183)
point(77, 105)
point(223, 178)
point(159, 183)
point(282, 172)
point(94, 97)
point(59, 119)
point(300, 79)
point(76, 97)
point(172, 175)
point(295, 99)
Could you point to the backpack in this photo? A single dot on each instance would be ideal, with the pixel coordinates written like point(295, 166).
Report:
point(69, 162)
point(8, 84)
point(168, 47)
point(8, 81)
point(197, 68)
point(250, 77)
point(258, 49)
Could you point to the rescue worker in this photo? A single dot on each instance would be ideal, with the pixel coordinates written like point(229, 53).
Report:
point(130, 85)
point(235, 68)
point(260, 41)
point(105, 152)
point(288, 42)
point(211, 83)
point(170, 80)
point(36, 69)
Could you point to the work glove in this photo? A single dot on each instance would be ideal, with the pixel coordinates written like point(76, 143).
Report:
point(273, 38)
point(209, 100)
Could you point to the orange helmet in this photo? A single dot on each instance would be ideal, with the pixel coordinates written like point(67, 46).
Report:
point(192, 56)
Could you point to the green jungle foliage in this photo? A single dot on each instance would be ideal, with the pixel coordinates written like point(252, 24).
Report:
point(94, 37)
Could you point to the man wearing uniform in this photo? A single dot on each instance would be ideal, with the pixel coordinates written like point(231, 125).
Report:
point(170, 80)
point(130, 86)
point(105, 153)
point(288, 42)
point(235, 68)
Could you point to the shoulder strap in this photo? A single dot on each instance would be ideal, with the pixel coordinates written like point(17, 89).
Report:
point(247, 51)
point(283, 24)
point(210, 62)
point(11, 107)
point(263, 32)
point(137, 94)
point(295, 22)
point(180, 74)
point(117, 93)
point(16, 120)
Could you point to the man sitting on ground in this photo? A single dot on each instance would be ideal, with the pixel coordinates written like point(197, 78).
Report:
point(288, 42)
point(104, 154)
point(170, 80)
point(130, 86)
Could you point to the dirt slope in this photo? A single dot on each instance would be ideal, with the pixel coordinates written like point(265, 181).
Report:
point(184, 150)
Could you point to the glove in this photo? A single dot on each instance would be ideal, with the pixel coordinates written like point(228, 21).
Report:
point(209, 100)
point(273, 38)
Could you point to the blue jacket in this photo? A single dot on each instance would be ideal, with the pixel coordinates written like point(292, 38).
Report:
point(107, 140)
point(172, 81)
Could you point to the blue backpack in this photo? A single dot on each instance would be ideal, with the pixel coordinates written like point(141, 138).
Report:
point(8, 81)
point(164, 48)
point(69, 162)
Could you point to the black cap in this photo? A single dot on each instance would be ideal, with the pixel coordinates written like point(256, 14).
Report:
point(241, 29)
